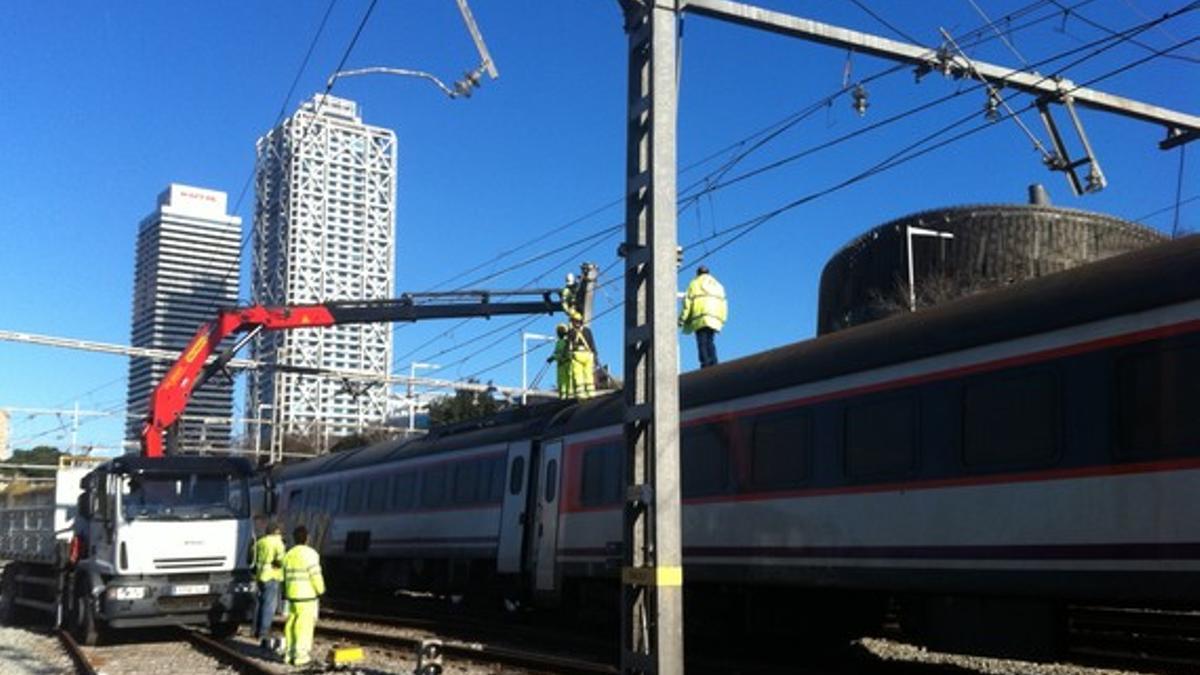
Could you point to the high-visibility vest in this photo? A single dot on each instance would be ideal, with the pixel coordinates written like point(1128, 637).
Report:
point(562, 361)
point(704, 305)
point(302, 578)
point(268, 558)
point(568, 303)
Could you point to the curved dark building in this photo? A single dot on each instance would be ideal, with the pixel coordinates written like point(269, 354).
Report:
point(962, 250)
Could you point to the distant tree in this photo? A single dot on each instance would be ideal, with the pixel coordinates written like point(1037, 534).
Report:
point(463, 405)
point(364, 438)
point(304, 444)
point(42, 454)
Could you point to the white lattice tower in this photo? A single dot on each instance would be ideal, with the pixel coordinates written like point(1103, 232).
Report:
point(324, 229)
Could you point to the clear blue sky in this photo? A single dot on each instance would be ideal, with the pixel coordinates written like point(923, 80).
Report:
point(101, 106)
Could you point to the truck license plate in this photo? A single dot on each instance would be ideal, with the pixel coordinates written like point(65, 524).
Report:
point(189, 589)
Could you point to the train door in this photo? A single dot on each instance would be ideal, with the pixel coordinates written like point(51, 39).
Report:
point(545, 520)
point(512, 515)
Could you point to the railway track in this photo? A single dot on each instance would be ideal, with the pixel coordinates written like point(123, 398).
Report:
point(395, 633)
point(1167, 640)
point(169, 650)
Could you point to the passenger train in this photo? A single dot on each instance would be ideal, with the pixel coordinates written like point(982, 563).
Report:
point(977, 465)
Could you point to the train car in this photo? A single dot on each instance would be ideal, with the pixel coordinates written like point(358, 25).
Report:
point(980, 465)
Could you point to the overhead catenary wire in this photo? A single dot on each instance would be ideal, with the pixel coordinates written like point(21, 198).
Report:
point(1099, 26)
point(971, 38)
point(1003, 38)
point(758, 139)
point(250, 178)
point(888, 24)
point(906, 154)
point(1103, 43)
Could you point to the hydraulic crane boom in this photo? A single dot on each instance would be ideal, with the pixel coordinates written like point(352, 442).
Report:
point(171, 397)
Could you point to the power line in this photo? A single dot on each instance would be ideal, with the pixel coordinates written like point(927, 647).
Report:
point(863, 6)
point(754, 223)
point(1106, 29)
point(1112, 41)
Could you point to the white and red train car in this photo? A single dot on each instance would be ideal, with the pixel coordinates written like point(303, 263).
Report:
point(995, 457)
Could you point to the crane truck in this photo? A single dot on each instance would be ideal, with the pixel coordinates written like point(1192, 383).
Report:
point(163, 538)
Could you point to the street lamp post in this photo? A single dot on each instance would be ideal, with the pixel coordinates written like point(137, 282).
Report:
point(525, 338)
point(909, 233)
point(412, 401)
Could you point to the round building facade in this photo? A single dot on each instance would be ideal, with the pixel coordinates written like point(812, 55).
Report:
point(957, 251)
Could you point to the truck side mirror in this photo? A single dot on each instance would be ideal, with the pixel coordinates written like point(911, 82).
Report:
point(83, 506)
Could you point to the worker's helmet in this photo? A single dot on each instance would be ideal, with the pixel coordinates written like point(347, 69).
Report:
point(570, 278)
point(561, 329)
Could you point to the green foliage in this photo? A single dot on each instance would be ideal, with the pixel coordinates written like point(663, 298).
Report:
point(463, 405)
point(42, 454)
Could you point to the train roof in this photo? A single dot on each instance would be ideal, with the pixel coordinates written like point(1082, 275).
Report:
point(1155, 276)
point(504, 426)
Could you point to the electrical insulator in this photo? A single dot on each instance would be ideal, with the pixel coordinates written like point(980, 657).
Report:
point(859, 102)
point(991, 109)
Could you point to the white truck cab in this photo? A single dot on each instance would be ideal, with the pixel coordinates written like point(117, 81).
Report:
point(152, 541)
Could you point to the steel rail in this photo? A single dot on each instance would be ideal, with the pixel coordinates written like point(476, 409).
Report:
point(474, 651)
point(228, 656)
point(83, 665)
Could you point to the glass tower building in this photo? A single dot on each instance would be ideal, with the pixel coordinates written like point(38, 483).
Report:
point(188, 258)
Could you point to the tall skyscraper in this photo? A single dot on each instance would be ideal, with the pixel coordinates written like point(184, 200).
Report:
point(324, 229)
point(188, 262)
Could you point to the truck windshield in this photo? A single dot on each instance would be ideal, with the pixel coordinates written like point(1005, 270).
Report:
point(186, 496)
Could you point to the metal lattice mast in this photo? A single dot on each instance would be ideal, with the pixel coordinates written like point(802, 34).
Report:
point(652, 576)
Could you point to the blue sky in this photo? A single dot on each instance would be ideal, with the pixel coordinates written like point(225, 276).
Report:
point(103, 105)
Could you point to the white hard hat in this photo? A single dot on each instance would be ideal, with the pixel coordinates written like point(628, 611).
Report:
point(570, 278)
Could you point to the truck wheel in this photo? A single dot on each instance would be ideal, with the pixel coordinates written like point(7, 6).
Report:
point(223, 629)
point(83, 616)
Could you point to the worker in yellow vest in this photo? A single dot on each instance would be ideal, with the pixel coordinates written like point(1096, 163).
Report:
point(569, 298)
point(268, 572)
point(704, 313)
point(302, 585)
point(583, 360)
point(561, 358)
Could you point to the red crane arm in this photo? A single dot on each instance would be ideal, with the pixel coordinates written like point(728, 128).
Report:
point(169, 399)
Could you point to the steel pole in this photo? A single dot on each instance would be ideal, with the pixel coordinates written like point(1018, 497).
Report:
point(652, 575)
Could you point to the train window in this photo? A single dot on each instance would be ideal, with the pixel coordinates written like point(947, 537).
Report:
point(433, 486)
point(312, 499)
point(551, 480)
point(1156, 398)
point(516, 476)
point(354, 496)
point(1010, 419)
point(377, 495)
point(466, 482)
point(495, 486)
point(704, 464)
point(332, 496)
point(601, 476)
point(779, 452)
point(404, 489)
point(880, 437)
